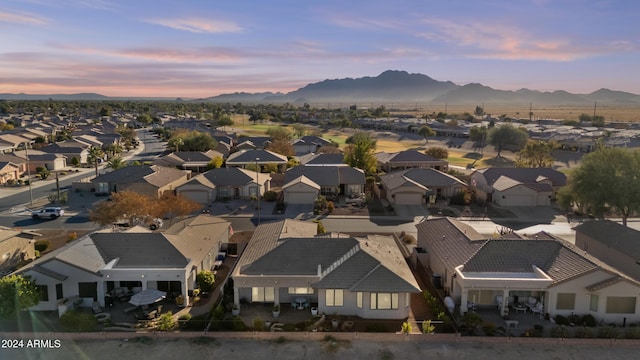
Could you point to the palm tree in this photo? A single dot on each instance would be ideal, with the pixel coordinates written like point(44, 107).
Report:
point(116, 163)
point(95, 154)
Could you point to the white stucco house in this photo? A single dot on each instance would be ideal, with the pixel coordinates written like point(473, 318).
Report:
point(225, 183)
point(517, 186)
point(92, 266)
point(513, 269)
point(300, 190)
point(343, 275)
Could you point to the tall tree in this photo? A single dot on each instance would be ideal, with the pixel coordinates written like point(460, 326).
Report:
point(607, 179)
point(359, 152)
point(437, 152)
point(171, 206)
point(279, 133)
point(536, 153)
point(124, 205)
point(507, 135)
point(17, 293)
point(116, 163)
point(282, 147)
point(95, 156)
point(426, 132)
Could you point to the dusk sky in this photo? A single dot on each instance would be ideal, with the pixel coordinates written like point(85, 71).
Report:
point(201, 48)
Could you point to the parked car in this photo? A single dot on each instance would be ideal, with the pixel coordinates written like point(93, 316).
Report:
point(48, 213)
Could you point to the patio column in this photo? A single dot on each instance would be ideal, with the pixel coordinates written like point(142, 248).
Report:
point(505, 303)
point(236, 296)
point(464, 298)
point(185, 293)
point(276, 295)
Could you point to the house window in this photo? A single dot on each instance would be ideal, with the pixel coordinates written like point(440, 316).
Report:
point(44, 292)
point(262, 294)
point(59, 293)
point(384, 301)
point(301, 290)
point(566, 301)
point(359, 299)
point(333, 297)
point(621, 305)
point(593, 303)
point(102, 188)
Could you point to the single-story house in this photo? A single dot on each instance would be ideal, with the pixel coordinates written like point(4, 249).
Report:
point(8, 172)
point(409, 159)
point(52, 162)
point(309, 144)
point(516, 269)
point(253, 143)
point(517, 186)
point(416, 186)
point(15, 141)
point(19, 161)
point(71, 150)
point(300, 190)
point(366, 277)
point(333, 180)
point(16, 248)
point(196, 161)
point(261, 158)
point(225, 183)
point(144, 179)
point(611, 243)
point(6, 147)
point(94, 265)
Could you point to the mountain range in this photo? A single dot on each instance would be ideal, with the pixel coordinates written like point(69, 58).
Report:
point(393, 86)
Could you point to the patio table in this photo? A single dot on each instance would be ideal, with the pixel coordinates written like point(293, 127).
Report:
point(520, 308)
point(301, 301)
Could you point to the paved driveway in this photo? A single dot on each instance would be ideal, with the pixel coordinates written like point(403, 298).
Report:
point(298, 211)
point(410, 211)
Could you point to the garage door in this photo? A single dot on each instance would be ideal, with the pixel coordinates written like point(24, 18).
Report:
point(300, 197)
point(408, 199)
point(198, 196)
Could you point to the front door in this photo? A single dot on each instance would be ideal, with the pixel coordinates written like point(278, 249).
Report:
point(236, 193)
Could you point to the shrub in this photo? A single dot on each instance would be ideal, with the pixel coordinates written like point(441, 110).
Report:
point(632, 333)
point(584, 332)
point(270, 195)
point(321, 229)
point(489, 329)
point(574, 319)
point(559, 332)
point(406, 327)
point(608, 332)
point(427, 328)
point(74, 161)
point(205, 280)
point(42, 245)
point(330, 206)
point(74, 320)
point(72, 236)
point(258, 324)
point(471, 320)
point(461, 198)
point(561, 320)
point(409, 239)
point(185, 317)
point(588, 320)
point(167, 322)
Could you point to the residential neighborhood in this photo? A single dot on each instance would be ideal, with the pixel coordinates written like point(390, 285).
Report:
point(307, 241)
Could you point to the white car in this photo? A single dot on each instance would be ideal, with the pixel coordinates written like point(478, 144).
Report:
point(48, 213)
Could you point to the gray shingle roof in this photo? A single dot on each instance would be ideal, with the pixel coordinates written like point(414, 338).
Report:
point(138, 250)
point(524, 175)
point(449, 240)
point(322, 159)
point(424, 177)
point(301, 256)
point(519, 256)
point(327, 175)
point(250, 156)
point(225, 177)
point(626, 240)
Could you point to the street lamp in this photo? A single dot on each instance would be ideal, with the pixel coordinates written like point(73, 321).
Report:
point(258, 187)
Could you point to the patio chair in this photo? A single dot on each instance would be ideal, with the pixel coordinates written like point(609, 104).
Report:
point(96, 307)
point(538, 309)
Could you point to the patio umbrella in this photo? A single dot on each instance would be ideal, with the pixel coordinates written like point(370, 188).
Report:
point(147, 296)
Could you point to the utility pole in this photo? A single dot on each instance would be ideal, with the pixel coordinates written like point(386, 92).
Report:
point(26, 154)
point(258, 187)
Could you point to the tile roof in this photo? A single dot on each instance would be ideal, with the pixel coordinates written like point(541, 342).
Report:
point(139, 250)
point(301, 180)
point(425, 177)
point(250, 156)
point(158, 176)
point(327, 175)
point(524, 175)
point(314, 140)
point(449, 240)
point(225, 177)
point(267, 235)
point(604, 283)
point(625, 240)
point(404, 157)
point(322, 159)
point(519, 256)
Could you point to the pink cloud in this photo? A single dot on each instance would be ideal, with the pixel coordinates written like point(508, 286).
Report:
point(198, 25)
point(22, 18)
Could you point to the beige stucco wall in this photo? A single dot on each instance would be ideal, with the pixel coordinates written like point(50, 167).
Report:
point(622, 261)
